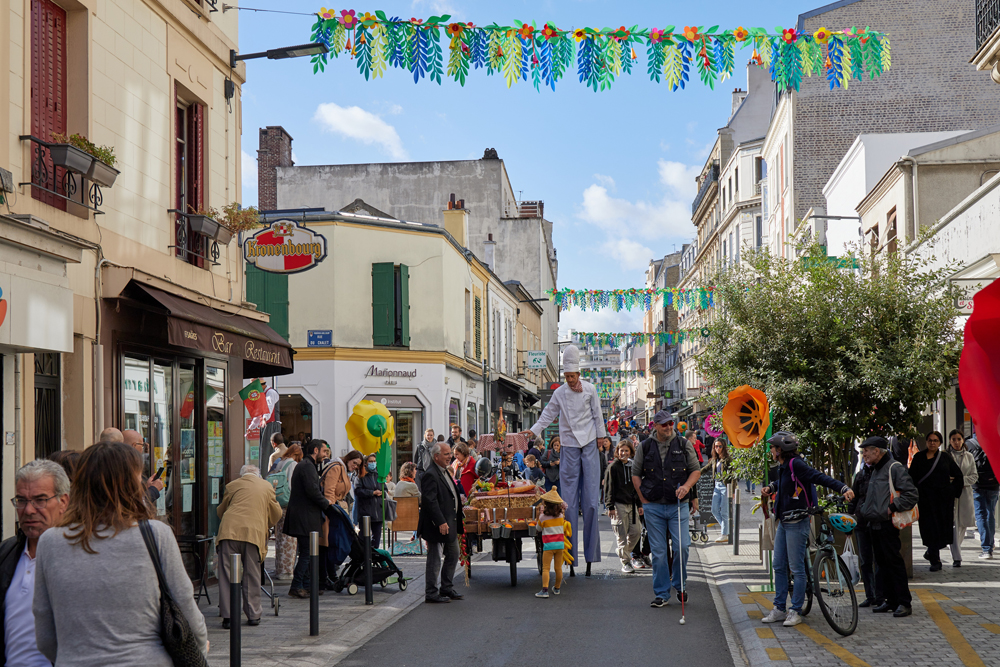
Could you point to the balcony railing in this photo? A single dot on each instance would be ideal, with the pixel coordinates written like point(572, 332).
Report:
point(712, 177)
point(987, 20)
point(756, 188)
point(59, 182)
point(184, 234)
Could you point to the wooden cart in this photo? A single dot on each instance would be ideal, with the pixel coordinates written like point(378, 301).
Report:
point(505, 533)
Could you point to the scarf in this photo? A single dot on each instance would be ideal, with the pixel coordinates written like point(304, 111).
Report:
point(404, 478)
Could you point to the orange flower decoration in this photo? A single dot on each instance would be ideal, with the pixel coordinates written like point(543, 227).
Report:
point(549, 31)
point(526, 30)
point(455, 29)
point(789, 35)
point(691, 33)
point(741, 34)
point(745, 417)
point(369, 19)
point(579, 34)
point(822, 35)
point(862, 35)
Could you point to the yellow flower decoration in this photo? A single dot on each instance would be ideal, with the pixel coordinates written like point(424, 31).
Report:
point(741, 34)
point(822, 35)
point(369, 425)
point(579, 34)
point(327, 13)
point(369, 18)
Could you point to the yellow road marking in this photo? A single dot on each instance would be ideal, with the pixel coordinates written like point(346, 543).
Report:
point(965, 652)
point(992, 627)
point(831, 646)
point(964, 611)
point(746, 599)
point(756, 614)
point(765, 633)
point(776, 653)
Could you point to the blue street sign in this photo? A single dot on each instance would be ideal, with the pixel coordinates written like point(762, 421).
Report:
point(321, 338)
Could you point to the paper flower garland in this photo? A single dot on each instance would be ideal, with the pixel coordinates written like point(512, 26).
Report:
point(658, 338)
point(614, 373)
point(543, 55)
point(627, 299)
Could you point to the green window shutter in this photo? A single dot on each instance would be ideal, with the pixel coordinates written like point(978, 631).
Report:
point(404, 305)
point(269, 291)
point(383, 311)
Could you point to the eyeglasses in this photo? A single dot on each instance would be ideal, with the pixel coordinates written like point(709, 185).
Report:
point(37, 503)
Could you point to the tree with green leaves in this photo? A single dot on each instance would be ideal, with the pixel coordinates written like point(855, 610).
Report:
point(843, 349)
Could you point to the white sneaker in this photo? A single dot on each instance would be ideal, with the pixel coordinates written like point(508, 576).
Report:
point(773, 617)
point(628, 569)
point(637, 564)
point(986, 555)
point(793, 619)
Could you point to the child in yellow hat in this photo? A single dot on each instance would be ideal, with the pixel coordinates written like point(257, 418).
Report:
point(554, 539)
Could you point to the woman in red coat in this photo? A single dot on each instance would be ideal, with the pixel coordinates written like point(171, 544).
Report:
point(466, 467)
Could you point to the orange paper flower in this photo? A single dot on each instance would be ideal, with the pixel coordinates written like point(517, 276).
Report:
point(455, 29)
point(691, 33)
point(745, 417)
point(526, 30)
point(741, 34)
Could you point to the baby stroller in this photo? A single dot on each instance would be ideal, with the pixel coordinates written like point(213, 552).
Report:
point(352, 574)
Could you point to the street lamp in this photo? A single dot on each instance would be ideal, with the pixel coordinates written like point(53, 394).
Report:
point(310, 49)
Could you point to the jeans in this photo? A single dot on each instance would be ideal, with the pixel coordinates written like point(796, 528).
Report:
point(720, 506)
point(301, 577)
point(790, 543)
point(986, 519)
point(661, 521)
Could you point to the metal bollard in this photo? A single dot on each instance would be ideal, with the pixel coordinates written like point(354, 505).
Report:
point(314, 587)
point(235, 609)
point(366, 539)
point(734, 527)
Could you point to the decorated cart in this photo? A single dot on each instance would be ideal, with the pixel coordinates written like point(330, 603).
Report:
point(505, 516)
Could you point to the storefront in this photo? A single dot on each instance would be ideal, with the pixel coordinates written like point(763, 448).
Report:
point(175, 372)
point(507, 395)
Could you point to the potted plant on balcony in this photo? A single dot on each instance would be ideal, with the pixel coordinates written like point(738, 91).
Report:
point(222, 225)
point(66, 154)
point(100, 165)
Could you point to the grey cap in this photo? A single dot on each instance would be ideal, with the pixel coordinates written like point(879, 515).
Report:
point(663, 417)
point(876, 441)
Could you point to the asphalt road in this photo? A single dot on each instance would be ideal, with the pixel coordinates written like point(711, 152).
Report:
point(601, 620)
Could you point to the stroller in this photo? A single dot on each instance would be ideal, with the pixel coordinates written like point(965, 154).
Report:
point(352, 574)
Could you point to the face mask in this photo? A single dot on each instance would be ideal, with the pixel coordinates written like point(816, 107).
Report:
point(371, 467)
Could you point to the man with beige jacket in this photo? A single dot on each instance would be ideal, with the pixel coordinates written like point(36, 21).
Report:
point(248, 510)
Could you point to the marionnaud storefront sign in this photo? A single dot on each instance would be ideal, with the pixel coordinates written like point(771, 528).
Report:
point(284, 246)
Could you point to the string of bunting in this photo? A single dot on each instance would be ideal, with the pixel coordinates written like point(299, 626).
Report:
point(544, 55)
point(613, 373)
point(628, 299)
point(658, 338)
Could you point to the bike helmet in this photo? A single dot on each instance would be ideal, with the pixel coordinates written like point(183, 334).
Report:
point(484, 469)
point(785, 441)
point(845, 523)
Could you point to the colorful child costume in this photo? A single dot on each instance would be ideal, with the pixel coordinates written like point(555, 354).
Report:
point(556, 546)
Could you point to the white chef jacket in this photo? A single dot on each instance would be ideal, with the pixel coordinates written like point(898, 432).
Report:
point(579, 414)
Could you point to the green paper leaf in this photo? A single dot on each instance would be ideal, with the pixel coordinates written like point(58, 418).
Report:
point(712, 29)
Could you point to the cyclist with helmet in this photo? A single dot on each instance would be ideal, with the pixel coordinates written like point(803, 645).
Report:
point(794, 493)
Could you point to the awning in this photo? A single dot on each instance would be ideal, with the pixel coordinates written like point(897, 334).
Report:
point(200, 327)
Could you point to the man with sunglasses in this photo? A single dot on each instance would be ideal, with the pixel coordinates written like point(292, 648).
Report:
point(41, 490)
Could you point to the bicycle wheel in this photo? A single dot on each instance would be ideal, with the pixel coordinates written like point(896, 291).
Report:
point(837, 599)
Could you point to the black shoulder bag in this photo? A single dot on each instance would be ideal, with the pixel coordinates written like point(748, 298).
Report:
point(178, 639)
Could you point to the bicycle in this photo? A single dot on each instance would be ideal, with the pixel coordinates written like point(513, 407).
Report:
point(829, 578)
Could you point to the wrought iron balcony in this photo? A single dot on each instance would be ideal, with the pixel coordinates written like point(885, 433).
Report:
point(60, 181)
point(756, 187)
point(712, 177)
point(191, 244)
point(987, 20)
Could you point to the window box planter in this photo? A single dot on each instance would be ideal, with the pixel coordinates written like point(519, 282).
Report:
point(204, 225)
point(102, 174)
point(71, 158)
point(225, 235)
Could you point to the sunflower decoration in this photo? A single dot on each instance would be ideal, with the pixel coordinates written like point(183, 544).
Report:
point(369, 427)
point(745, 417)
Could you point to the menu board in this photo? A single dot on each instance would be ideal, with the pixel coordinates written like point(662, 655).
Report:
point(215, 448)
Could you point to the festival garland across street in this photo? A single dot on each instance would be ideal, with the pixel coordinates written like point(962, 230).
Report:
point(627, 299)
point(657, 338)
point(544, 55)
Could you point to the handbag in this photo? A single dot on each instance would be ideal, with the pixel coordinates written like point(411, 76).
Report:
point(901, 519)
point(175, 631)
point(851, 561)
point(390, 510)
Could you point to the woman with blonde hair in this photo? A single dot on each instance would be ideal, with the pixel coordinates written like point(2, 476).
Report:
point(97, 596)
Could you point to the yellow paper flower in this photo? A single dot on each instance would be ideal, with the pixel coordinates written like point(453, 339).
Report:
point(579, 34)
point(327, 13)
point(822, 35)
point(741, 34)
point(368, 426)
point(369, 18)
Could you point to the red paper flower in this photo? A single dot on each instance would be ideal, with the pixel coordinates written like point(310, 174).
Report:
point(347, 18)
point(789, 35)
point(549, 31)
point(416, 21)
point(741, 34)
point(691, 33)
point(526, 30)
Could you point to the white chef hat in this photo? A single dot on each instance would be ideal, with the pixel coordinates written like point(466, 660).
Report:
point(571, 359)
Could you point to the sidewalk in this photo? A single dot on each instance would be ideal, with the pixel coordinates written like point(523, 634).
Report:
point(955, 621)
point(345, 622)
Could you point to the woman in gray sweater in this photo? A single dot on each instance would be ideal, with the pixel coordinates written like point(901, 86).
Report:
point(97, 600)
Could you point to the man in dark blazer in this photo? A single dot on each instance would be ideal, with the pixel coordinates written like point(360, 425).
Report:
point(440, 524)
point(306, 507)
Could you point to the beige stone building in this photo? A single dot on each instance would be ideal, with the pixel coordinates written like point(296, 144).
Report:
point(116, 310)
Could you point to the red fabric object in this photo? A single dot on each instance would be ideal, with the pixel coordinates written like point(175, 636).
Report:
point(468, 475)
point(979, 368)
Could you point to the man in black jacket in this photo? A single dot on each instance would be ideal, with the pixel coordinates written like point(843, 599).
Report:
point(866, 555)
point(984, 493)
point(306, 507)
point(440, 524)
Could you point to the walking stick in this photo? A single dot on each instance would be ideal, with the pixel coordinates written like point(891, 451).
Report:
point(680, 558)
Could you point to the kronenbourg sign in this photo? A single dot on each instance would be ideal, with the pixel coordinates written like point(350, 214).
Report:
point(284, 246)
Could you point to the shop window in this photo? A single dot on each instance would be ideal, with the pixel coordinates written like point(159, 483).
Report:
point(391, 304)
point(471, 420)
point(189, 181)
point(269, 291)
point(48, 436)
point(454, 414)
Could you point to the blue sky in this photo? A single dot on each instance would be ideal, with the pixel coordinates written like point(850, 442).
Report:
point(615, 169)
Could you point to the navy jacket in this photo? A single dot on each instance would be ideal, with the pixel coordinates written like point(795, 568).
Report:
point(784, 489)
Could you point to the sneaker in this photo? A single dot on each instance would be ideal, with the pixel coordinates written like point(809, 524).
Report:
point(628, 569)
point(659, 602)
point(724, 538)
point(986, 555)
point(647, 562)
point(555, 591)
point(682, 597)
point(774, 616)
point(957, 563)
point(793, 619)
point(637, 564)
point(544, 593)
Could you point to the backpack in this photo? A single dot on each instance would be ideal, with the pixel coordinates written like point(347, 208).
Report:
point(282, 485)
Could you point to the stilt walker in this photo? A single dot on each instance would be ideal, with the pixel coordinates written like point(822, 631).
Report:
point(577, 406)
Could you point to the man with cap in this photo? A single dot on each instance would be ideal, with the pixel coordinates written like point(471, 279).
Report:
point(876, 510)
point(664, 470)
point(577, 406)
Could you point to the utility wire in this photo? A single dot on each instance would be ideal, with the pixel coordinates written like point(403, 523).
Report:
point(226, 8)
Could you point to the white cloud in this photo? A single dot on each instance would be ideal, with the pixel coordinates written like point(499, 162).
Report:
point(436, 6)
point(599, 320)
point(395, 110)
point(606, 181)
point(295, 158)
point(356, 123)
point(630, 254)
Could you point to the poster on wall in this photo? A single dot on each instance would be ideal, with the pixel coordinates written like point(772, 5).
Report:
point(215, 491)
point(189, 469)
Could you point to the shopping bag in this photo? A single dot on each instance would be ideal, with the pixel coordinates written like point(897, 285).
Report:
point(851, 561)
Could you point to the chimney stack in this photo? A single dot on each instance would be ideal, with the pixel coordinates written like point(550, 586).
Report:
point(456, 220)
point(275, 150)
point(490, 252)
